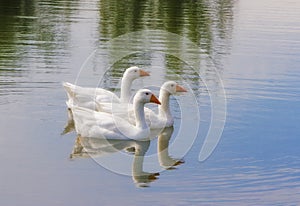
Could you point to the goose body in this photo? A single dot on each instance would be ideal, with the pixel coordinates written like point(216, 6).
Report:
point(154, 121)
point(89, 123)
point(87, 97)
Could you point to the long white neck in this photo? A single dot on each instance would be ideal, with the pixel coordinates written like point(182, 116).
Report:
point(164, 108)
point(139, 115)
point(125, 90)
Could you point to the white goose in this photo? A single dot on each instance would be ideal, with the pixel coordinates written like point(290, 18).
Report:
point(86, 97)
point(89, 123)
point(155, 121)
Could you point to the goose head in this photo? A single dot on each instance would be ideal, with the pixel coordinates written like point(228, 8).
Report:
point(145, 96)
point(172, 87)
point(142, 97)
point(135, 72)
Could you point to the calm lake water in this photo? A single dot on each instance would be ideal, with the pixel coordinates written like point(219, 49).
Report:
point(250, 47)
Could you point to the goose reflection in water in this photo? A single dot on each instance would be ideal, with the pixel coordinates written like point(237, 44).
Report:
point(95, 147)
point(69, 127)
point(165, 160)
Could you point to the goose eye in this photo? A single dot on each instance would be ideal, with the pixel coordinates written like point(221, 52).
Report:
point(147, 93)
point(135, 70)
point(172, 85)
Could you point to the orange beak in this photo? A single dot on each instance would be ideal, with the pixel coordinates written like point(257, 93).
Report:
point(144, 73)
point(180, 89)
point(154, 99)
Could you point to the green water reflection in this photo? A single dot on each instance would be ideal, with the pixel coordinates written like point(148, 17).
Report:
point(200, 21)
point(34, 32)
point(37, 34)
